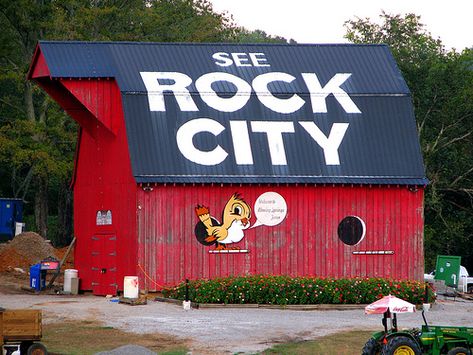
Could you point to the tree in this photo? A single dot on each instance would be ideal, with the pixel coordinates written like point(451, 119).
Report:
point(441, 83)
point(140, 20)
point(258, 36)
point(37, 138)
point(23, 23)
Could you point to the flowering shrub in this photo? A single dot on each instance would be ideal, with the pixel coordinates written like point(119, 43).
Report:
point(284, 290)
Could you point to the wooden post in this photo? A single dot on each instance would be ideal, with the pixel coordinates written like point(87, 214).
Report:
point(56, 274)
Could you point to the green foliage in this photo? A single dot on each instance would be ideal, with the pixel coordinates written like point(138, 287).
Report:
point(37, 139)
point(258, 36)
point(284, 290)
point(441, 83)
point(188, 21)
point(138, 20)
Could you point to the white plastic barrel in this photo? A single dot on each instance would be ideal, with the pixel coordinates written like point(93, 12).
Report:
point(68, 275)
point(130, 287)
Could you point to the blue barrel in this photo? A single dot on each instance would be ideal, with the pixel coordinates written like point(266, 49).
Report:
point(37, 277)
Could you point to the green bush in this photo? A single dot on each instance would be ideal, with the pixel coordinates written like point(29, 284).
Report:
point(284, 290)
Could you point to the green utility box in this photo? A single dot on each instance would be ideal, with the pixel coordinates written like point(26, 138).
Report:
point(448, 269)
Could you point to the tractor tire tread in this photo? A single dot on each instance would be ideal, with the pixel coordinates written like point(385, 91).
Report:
point(371, 347)
point(459, 350)
point(398, 341)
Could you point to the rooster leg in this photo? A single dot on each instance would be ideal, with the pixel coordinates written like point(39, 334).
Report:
point(221, 247)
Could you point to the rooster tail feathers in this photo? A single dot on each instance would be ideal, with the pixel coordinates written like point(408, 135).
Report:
point(201, 210)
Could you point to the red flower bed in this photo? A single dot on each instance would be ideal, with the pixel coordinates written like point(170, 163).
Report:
point(283, 290)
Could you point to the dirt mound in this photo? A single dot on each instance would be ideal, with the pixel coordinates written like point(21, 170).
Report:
point(24, 250)
point(10, 258)
point(32, 246)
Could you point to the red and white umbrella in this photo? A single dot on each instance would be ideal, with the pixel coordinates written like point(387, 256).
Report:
point(391, 303)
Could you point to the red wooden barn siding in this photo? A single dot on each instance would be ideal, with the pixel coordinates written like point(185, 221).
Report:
point(102, 176)
point(306, 243)
point(104, 181)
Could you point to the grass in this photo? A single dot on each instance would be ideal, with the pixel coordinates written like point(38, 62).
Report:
point(89, 337)
point(346, 343)
point(84, 338)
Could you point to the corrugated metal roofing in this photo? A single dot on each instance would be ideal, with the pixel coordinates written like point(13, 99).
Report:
point(378, 73)
point(380, 144)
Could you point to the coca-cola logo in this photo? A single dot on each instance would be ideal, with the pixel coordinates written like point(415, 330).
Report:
point(400, 309)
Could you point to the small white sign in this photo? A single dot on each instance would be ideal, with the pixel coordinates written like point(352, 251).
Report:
point(270, 209)
point(103, 218)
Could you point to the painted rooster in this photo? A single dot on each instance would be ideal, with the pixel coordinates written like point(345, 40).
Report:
point(235, 219)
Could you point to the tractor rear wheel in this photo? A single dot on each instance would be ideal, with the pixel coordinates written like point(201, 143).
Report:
point(401, 345)
point(371, 347)
point(459, 351)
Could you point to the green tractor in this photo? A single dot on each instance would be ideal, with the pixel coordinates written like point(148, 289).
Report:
point(429, 339)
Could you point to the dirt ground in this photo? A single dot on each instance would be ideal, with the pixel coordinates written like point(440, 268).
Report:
point(204, 331)
point(217, 330)
point(27, 249)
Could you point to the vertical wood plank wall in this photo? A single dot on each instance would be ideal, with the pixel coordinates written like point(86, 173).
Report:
point(305, 243)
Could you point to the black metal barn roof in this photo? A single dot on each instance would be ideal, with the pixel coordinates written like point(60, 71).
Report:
point(256, 113)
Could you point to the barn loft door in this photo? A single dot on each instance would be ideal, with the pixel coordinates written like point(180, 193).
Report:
point(104, 264)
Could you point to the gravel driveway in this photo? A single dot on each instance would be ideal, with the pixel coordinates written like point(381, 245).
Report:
point(221, 330)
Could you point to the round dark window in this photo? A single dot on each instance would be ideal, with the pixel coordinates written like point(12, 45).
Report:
point(351, 230)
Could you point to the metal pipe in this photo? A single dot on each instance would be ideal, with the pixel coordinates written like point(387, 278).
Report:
point(425, 321)
point(187, 290)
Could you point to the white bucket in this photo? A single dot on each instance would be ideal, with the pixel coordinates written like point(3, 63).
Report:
point(130, 287)
point(68, 275)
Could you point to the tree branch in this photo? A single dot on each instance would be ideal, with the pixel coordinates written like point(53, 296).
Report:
point(437, 140)
point(461, 177)
point(20, 109)
point(421, 126)
point(15, 66)
point(44, 109)
point(466, 209)
point(456, 139)
point(14, 26)
point(24, 185)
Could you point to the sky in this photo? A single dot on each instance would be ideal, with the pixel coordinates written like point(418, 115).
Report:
point(312, 21)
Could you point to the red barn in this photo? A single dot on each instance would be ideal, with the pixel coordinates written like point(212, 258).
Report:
point(206, 160)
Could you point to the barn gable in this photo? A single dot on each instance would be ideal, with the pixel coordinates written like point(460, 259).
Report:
point(260, 113)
